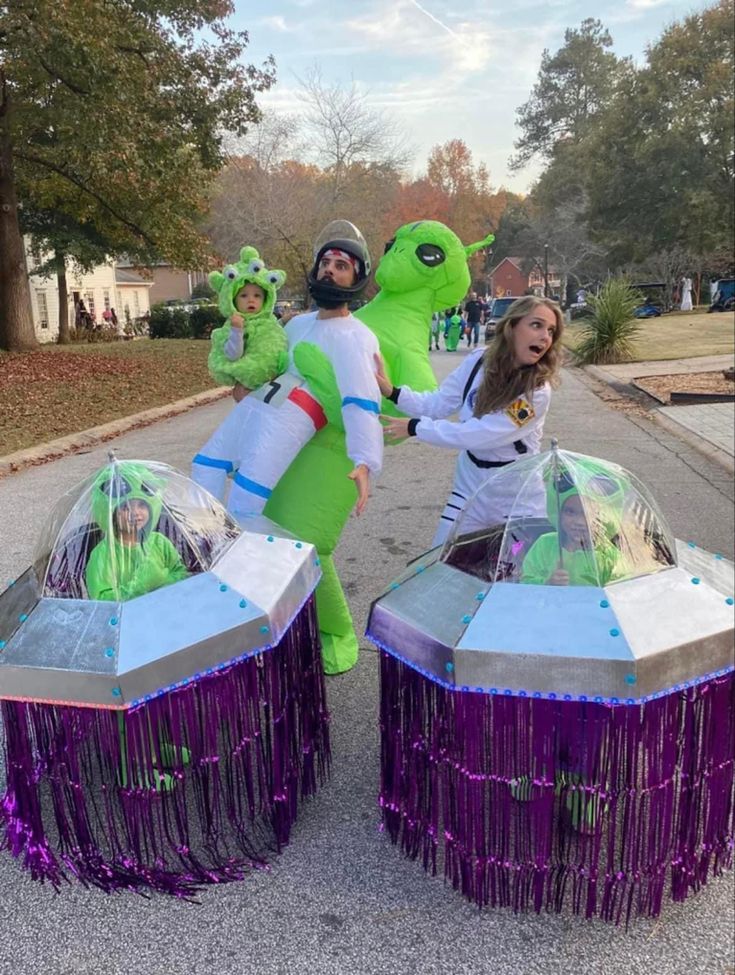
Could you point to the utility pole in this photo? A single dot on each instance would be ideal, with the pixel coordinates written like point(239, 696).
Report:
point(546, 270)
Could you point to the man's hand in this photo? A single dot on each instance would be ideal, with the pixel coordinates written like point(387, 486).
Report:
point(237, 321)
point(361, 476)
point(386, 386)
point(394, 427)
point(239, 392)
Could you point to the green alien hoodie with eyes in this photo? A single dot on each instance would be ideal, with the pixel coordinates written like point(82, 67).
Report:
point(264, 341)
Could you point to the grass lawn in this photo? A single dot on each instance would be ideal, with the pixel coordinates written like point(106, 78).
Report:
point(59, 390)
point(680, 335)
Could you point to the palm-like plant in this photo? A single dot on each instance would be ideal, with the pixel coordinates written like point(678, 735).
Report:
point(608, 334)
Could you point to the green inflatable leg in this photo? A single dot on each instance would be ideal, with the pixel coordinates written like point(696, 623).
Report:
point(339, 642)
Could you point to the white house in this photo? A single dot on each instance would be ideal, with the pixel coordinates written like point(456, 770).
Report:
point(105, 287)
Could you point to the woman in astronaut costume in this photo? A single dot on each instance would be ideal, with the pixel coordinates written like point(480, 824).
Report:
point(502, 394)
point(267, 429)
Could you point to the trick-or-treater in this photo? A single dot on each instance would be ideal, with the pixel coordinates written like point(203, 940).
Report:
point(502, 393)
point(132, 558)
point(267, 429)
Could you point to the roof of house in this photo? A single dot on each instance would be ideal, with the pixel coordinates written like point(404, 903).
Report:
point(130, 277)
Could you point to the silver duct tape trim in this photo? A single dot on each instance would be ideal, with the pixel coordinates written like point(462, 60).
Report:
point(50, 686)
point(271, 571)
point(75, 635)
point(419, 649)
point(668, 610)
point(17, 601)
point(524, 675)
point(715, 570)
point(438, 602)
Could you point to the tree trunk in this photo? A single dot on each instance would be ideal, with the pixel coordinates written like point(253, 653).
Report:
point(16, 314)
point(64, 334)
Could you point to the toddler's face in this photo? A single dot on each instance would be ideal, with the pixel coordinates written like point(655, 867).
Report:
point(250, 299)
point(575, 521)
point(131, 517)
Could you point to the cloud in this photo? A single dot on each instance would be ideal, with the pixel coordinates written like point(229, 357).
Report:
point(277, 22)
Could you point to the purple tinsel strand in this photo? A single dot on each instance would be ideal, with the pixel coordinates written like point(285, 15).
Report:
point(534, 803)
point(195, 786)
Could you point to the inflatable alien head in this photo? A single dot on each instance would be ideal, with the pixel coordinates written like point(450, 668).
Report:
point(250, 269)
point(427, 254)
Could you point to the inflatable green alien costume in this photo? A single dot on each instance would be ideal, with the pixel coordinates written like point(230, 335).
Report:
point(424, 269)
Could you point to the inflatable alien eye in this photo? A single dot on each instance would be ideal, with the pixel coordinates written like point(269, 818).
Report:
point(255, 267)
point(389, 244)
point(230, 273)
point(430, 255)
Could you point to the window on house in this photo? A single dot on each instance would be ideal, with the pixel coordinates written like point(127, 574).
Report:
point(106, 298)
point(136, 305)
point(42, 308)
point(89, 295)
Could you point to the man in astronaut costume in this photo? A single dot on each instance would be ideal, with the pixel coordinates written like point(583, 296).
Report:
point(269, 427)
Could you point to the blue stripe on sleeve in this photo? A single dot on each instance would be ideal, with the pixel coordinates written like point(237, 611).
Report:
point(204, 461)
point(365, 404)
point(252, 486)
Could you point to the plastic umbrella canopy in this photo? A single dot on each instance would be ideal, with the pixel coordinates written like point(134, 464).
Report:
point(562, 518)
point(129, 528)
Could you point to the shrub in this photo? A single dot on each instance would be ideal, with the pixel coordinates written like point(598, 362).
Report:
point(203, 290)
point(203, 319)
point(169, 323)
point(608, 332)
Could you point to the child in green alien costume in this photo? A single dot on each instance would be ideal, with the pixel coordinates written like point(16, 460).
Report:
point(585, 509)
point(132, 558)
point(453, 330)
point(247, 351)
point(424, 269)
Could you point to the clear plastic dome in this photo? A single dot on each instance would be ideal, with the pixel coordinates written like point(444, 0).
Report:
point(573, 521)
point(130, 528)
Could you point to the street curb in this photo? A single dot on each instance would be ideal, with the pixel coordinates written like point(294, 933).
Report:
point(704, 447)
point(699, 443)
point(42, 453)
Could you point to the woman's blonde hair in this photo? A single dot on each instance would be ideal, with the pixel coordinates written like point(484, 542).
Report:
point(502, 380)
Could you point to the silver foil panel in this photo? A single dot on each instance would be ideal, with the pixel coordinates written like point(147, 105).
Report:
point(715, 570)
point(17, 602)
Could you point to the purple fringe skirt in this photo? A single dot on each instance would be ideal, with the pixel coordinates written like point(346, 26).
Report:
point(197, 786)
point(539, 804)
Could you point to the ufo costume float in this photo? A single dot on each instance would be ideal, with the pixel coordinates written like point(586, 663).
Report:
point(557, 703)
point(424, 269)
point(162, 689)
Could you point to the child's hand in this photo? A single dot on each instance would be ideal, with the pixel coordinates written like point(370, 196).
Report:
point(237, 321)
point(386, 386)
point(361, 476)
point(559, 577)
point(239, 392)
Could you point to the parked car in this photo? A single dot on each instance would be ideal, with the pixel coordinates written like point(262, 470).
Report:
point(498, 308)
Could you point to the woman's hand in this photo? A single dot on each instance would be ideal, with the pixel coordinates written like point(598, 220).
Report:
point(386, 386)
point(394, 427)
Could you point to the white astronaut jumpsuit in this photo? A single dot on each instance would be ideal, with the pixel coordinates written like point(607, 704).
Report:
point(262, 435)
point(490, 440)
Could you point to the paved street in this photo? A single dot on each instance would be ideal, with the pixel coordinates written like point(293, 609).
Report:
point(341, 899)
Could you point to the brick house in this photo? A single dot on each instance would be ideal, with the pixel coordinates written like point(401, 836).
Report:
point(507, 278)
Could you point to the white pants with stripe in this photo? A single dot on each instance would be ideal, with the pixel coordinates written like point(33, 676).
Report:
point(482, 503)
point(257, 441)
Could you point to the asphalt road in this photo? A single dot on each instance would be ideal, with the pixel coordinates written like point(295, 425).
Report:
point(341, 899)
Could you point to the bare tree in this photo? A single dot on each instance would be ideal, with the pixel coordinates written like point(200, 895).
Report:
point(345, 133)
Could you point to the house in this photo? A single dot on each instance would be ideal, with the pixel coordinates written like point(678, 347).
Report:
point(167, 283)
point(104, 287)
point(509, 278)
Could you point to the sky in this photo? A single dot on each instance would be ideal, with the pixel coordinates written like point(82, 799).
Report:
point(440, 70)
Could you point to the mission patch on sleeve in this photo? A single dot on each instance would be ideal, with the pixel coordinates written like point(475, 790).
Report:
point(520, 411)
